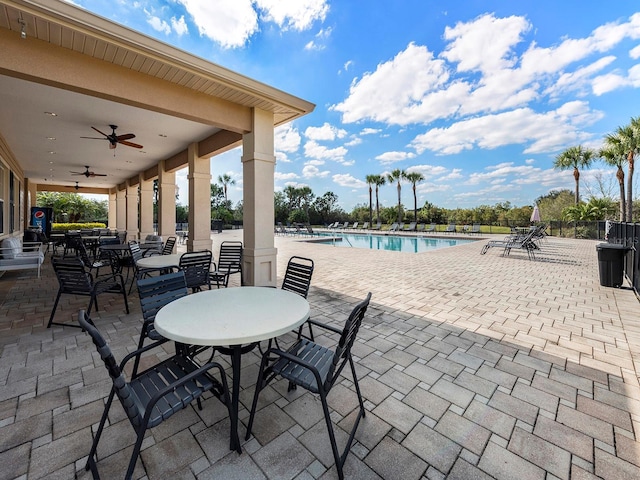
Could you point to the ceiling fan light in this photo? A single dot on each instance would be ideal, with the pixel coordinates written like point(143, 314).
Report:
point(112, 145)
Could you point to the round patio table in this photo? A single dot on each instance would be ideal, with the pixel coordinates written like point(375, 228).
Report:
point(235, 319)
point(159, 262)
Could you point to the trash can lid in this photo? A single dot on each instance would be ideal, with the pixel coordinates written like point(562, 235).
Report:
point(611, 246)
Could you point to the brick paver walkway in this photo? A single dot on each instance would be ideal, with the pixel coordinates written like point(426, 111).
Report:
point(472, 366)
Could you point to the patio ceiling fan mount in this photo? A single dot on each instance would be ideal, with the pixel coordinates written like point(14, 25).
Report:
point(114, 139)
point(88, 173)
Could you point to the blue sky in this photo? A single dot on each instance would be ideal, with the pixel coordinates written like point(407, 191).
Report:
point(478, 96)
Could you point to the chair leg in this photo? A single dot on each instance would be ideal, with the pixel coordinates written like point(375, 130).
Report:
point(55, 306)
point(259, 386)
point(91, 461)
point(332, 438)
point(136, 452)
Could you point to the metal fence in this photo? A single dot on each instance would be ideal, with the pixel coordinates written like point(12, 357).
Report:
point(628, 234)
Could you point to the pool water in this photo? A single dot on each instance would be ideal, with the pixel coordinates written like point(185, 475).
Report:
point(395, 243)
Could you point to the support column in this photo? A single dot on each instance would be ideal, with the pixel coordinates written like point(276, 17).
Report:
point(121, 210)
point(113, 210)
point(199, 177)
point(258, 165)
point(166, 201)
point(31, 190)
point(146, 207)
point(132, 212)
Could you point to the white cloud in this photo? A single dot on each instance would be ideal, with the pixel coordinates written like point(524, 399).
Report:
point(278, 176)
point(318, 44)
point(295, 14)
point(287, 138)
point(159, 25)
point(179, 26)
point(543, 132)
point(353, 142)
point(370, 131)
point(635, 52)
point(453, 175)
point(325, 132)
point(428, 170)
point(314, 150)
point(311, 171)
point(348, 180)
point(229, 23)
point(393, 157)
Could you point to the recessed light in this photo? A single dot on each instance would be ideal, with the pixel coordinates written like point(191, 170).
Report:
point(51, 138)
point(51, 114)
point(52, 153)
point(162, 135)
point(51, 162)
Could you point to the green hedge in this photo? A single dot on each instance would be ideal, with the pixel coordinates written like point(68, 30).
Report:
point(63, 227)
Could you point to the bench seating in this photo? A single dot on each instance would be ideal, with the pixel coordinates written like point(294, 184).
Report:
point(14, 255)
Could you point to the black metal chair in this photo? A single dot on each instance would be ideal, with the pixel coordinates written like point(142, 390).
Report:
point(135, 254)
point(229, 263)
point(155, 394)
point(71, 242)
point(297, 279)
point(316, 369)
point(155, 293)
point(196, 267)
point(75, 280)
point(92, 264)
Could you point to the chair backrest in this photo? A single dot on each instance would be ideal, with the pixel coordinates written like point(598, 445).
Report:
point(297, 277)
point(135, 250)
point(72, 276)
point(120, 384)
point(81, 250)
point(347, 338)
point(230, 257)
point(196, 267)
point(167, 249)
point(156, 292)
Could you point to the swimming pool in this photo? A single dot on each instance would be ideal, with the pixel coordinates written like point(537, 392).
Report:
point(396, 243)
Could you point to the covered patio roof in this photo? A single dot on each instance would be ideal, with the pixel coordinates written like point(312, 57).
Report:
point(89, 72)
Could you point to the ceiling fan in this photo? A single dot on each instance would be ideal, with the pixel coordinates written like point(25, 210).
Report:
point(114, 139)
point(77, 187)
point(88, 174)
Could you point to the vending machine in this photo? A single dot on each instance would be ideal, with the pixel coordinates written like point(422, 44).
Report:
point(42, 217)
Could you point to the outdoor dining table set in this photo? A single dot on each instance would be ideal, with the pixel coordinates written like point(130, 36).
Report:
point(228, 321)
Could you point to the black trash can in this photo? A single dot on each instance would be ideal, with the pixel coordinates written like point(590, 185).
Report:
point(216, 225)
point(611, 263)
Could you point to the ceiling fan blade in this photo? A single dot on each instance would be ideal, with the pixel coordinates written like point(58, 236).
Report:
point(76, 173)
point(130, 144)
point(97, 174)
point(95, 138)
point(102, 133)
point(126, 136)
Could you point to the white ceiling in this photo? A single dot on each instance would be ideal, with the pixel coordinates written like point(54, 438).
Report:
point(27, 128)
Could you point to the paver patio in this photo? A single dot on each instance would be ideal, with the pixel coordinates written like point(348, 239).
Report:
point(472, 366)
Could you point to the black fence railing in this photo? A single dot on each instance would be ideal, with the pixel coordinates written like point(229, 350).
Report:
point(628, 234)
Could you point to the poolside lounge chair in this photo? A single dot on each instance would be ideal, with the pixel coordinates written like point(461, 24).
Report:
point(475, 228)
point(521, 242)
point(343, 226)
point(420, 228)
point(365, 226)
point(394, 227)
point(411, 227)
point(355, 225)
point(377, 226)
point(430, 229)
point(451, 228)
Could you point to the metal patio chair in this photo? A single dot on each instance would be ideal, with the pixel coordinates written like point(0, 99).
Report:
point(229, 263)
point(74, 279)
point(155, 293)
point(297, 279)
point(196, 267)
point(316, 369)
point(154, 395)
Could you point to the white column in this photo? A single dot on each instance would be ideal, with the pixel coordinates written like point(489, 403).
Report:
point(199, 177)
point(113, 210)
point(258, 165)
point(146, 207)
point(166, 202)
point(132, 212)
point(121, 210)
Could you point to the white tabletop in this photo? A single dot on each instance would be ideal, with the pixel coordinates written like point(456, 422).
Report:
point(159, 261)
point(231, 316)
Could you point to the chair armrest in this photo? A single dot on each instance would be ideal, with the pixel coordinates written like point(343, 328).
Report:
point(325, 326)
point(140, 351)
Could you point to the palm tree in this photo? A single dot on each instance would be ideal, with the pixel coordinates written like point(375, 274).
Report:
point(614, 154)
point(396, 176)
point(575, 157)
point(225, 179)
point(414, 178)
point(630, 138)
point(378, 181)
point(370, 179)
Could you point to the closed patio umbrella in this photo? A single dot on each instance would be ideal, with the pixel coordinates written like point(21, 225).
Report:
point(535, 215)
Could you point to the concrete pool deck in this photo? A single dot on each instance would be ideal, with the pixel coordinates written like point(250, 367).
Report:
point(472, 366)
